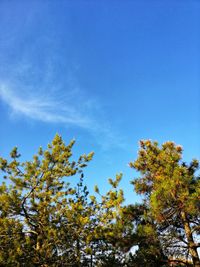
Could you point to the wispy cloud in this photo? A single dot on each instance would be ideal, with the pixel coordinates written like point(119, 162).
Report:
point(38, 95)
point(41, 79)
point(43, 108)
point(49, 109)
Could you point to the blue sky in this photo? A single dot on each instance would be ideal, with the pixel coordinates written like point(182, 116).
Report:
point(107, 73)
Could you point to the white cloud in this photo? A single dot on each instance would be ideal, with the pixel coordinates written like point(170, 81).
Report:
point(43, 108)
point(69, 109)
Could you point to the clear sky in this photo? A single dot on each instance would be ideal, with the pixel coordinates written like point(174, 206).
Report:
point(107, 73)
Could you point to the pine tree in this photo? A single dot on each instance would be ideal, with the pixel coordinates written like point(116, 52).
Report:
point(172, 189)
point(37, 206)
point(45, 221)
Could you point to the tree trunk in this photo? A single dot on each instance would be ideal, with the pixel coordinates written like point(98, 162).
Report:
point(191, 244)
point(78, 253)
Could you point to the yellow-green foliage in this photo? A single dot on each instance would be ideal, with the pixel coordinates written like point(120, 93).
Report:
point(171, 188)
point(44, 221)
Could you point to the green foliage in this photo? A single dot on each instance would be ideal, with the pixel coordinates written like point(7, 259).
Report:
point(172, 191)
point(38, 205)
point(45, 221)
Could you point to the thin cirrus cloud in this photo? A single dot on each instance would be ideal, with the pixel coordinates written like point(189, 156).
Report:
point(42, 108)
point(71, 109)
